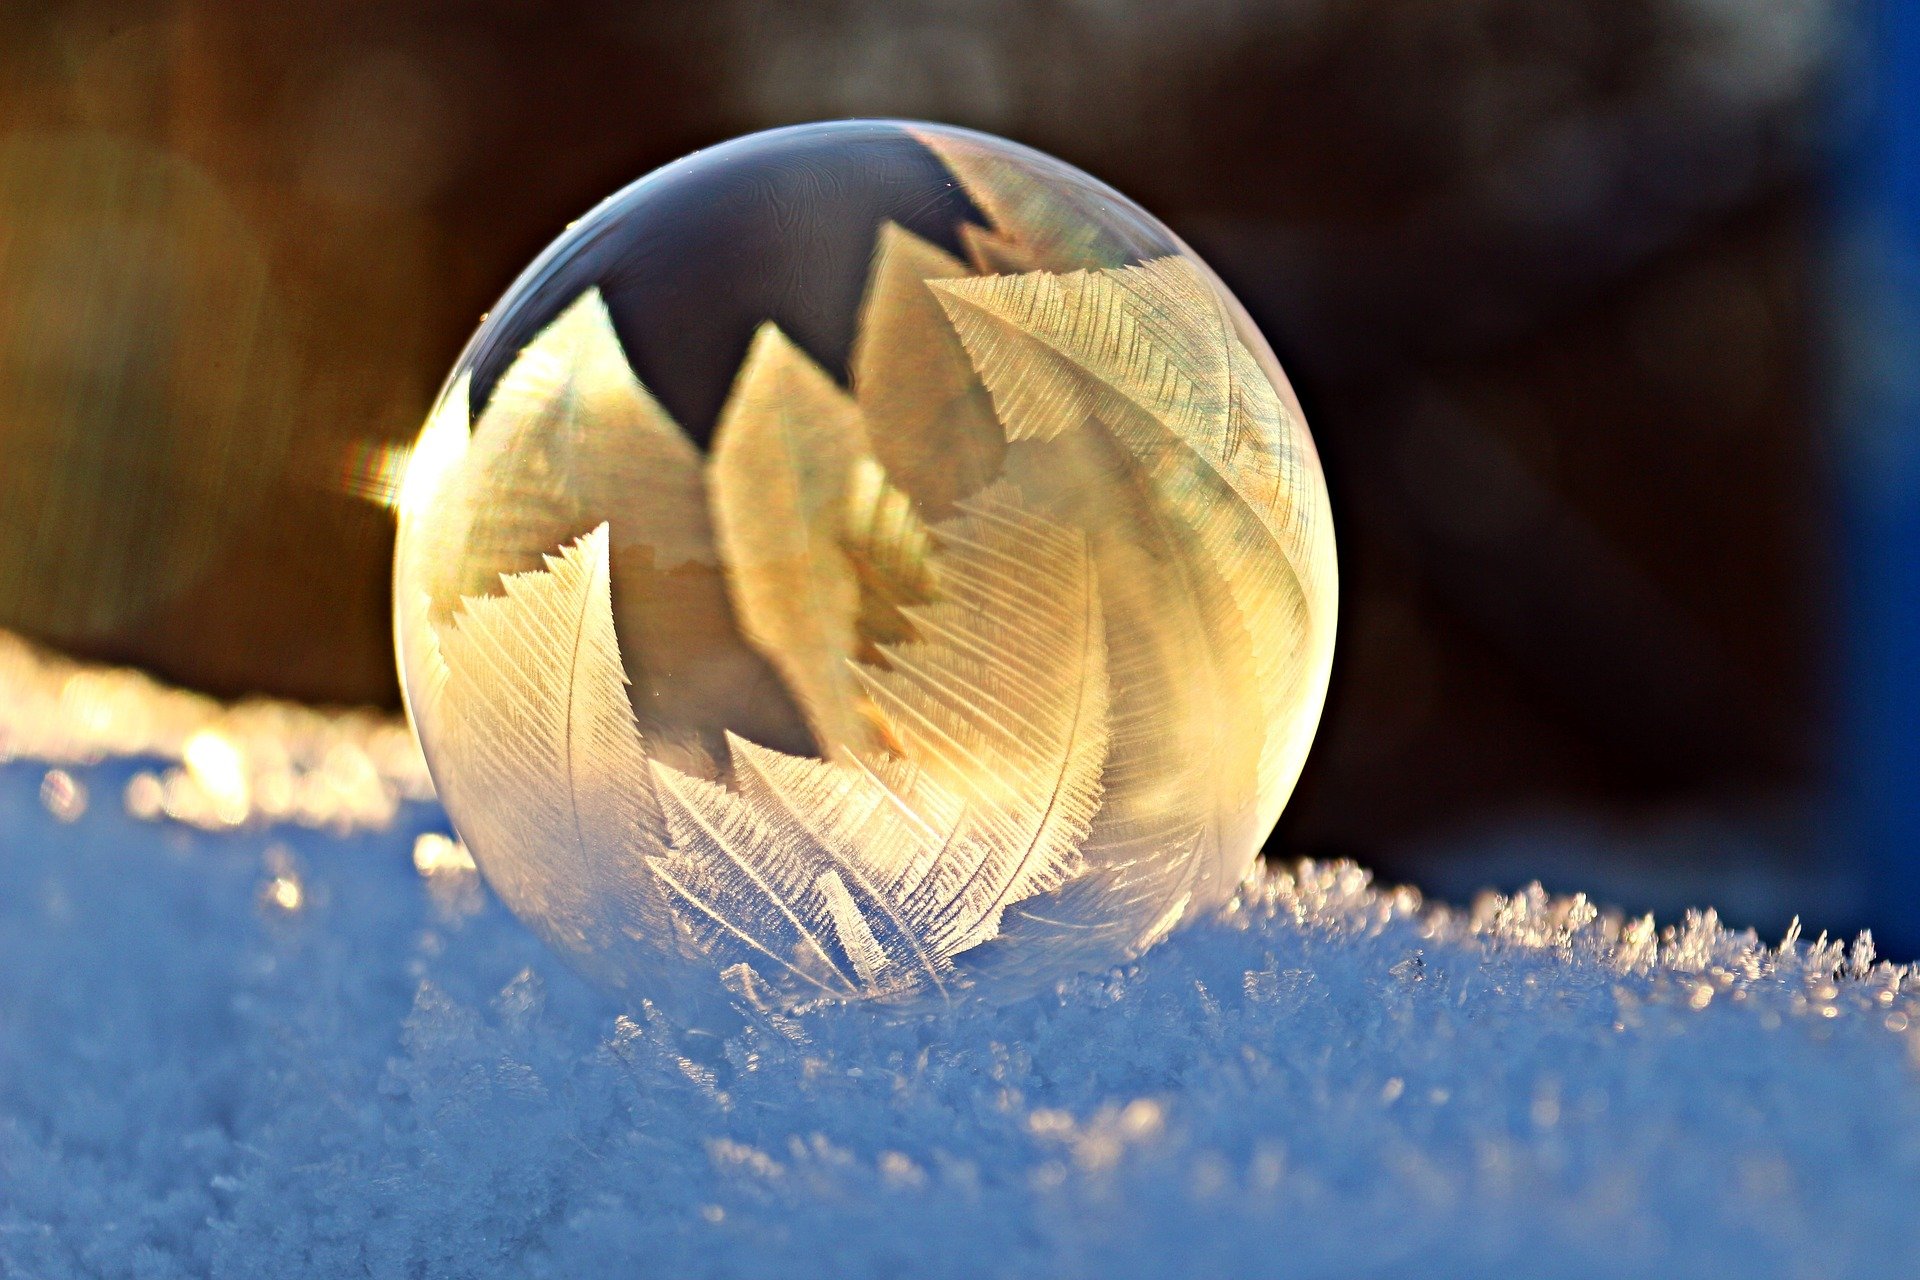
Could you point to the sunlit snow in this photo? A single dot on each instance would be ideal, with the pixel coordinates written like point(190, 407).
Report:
point(278, 1052)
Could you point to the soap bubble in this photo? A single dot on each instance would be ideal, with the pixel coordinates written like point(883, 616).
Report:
point(864, 561)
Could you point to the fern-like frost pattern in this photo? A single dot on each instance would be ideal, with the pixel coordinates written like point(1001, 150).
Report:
point(868, 877)
point(974, 646)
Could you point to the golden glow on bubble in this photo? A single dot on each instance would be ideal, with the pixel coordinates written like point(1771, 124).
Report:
point(986, 655)
point(434, 457)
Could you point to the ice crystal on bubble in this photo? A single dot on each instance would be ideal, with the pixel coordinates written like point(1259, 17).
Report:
point(864, 561)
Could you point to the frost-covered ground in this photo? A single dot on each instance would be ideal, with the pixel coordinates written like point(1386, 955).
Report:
point(287, 1053)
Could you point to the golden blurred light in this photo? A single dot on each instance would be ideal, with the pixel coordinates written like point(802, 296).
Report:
point(284, 893)
point(376, 472)
point(216, 764)
point(283, 890)
point(222, 765)
point(143, 380)
point(452, 879)
point(63, 796)
point(145, 797)
point(436, 855)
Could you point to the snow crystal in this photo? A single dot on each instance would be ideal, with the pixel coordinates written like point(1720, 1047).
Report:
point(281, 1052)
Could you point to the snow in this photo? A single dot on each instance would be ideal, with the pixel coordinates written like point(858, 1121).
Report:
point(282, 1052)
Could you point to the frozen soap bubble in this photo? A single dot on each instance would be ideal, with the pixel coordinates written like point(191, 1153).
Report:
point(864, 561)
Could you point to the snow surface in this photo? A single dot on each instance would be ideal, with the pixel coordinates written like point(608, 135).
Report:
point(284, 1053)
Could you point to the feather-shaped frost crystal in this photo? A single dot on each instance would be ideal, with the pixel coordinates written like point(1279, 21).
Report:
point(864, 562)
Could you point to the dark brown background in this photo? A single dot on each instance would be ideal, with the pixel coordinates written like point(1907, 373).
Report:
point(1541, 271)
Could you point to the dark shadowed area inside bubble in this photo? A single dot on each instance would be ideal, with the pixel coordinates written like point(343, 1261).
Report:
point(691, 260)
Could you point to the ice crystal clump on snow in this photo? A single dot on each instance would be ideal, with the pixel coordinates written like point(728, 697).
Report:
point(864, 561)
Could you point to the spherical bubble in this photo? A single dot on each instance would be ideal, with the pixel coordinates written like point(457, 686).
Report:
point(864, 561)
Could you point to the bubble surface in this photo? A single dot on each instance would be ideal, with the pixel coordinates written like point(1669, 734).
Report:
point(864, 561)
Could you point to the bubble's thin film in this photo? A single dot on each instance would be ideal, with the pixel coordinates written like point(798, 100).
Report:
point(864, 561)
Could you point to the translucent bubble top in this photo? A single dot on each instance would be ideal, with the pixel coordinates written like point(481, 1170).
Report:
point(864, 561)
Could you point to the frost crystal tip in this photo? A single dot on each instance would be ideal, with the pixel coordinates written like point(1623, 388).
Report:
point(863, 561)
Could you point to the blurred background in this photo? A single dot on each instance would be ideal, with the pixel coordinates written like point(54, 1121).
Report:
point(1605, 315)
